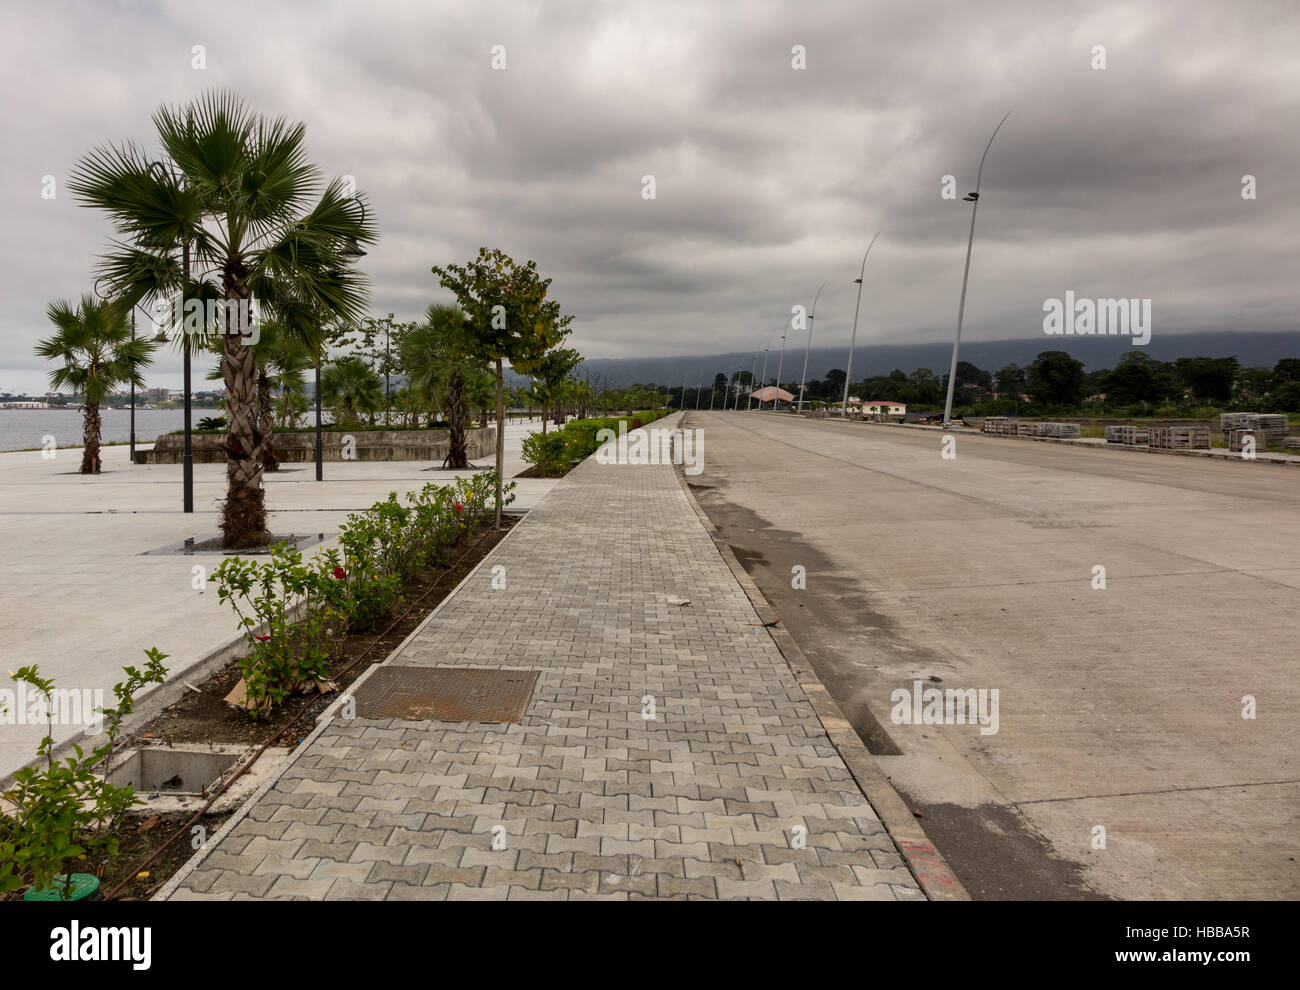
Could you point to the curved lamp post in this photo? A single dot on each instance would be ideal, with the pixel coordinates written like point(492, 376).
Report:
point(785, 332)
point(848, 373)
point(767, 347)
point(974, 200)
point(811, 317)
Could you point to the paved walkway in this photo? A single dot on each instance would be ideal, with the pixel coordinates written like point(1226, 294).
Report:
point(84, 601)
point(704, 801)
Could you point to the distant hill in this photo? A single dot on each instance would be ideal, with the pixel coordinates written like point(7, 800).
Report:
point(1251, 349)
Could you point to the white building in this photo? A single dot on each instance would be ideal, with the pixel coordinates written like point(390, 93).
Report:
point(884, 407)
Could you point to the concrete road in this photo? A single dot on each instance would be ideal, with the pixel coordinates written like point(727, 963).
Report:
point(81, 601)
point(1121, 765)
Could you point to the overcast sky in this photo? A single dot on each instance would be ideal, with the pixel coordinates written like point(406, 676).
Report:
point(1122, 181)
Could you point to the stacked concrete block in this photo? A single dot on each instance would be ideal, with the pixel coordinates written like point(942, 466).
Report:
point(1269, 428)
point(1066, 431)
point(1236, 439)
point(1179, 437)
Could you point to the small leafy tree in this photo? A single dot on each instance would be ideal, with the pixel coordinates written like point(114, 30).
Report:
point(550, 372)
point(508, 318)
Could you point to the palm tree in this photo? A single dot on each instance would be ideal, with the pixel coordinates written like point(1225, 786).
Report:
point(283, 359)
point(99, 355)
point(233, 190)
point(436, 356)
point(351, 388)
point(481, 394)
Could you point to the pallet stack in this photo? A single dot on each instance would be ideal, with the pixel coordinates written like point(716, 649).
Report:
point(1000, 426)
point(1179, 437)
point(1236, 439)
point(1065, 431)
point(1269, 428)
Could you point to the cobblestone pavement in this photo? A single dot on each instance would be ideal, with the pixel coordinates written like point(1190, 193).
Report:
point(732, 790)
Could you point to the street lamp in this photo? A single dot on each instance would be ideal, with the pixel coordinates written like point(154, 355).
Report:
point(779, 365)
point(752, 370)
point(848, 374)
point(766, 348)
point(974, 200)
point(811, 316)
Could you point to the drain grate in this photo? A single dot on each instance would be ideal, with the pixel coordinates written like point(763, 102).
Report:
point(446, 694)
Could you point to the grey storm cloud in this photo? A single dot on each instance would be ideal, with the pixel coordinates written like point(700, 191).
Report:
point(1117, 182)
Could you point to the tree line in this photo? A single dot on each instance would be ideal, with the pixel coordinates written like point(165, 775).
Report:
point(1054, 383)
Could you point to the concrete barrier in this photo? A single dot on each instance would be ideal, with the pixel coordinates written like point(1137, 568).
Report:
point(370, 445)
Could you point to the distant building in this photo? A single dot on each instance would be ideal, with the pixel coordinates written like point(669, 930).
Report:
point(158, 394)
point(883, 407)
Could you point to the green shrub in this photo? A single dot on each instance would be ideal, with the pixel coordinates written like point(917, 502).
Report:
point(62, 811)
point(572, 443)
point(304, 609)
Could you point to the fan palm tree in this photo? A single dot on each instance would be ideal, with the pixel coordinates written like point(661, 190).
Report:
point(234, 191)
point(351, 388)
point(481, 394)
point(99, 355)
point(283, 359)
point(436, 356)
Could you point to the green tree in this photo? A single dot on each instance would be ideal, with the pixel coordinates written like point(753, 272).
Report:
point(283, 359)
point(437, 355)
point(1210, 379)
point(99, 356)
point(508, 318)
point(1138, 378)
point(1055, 379)
point(234, 191)
point(350, 386)
point(1011, 380)
point(1286, 370)
point(1285, 399)
point(549, 373)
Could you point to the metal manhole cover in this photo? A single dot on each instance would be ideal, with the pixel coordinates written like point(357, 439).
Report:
point(446, 694)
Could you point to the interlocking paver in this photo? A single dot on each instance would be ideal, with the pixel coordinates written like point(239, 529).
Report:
point(597, 800)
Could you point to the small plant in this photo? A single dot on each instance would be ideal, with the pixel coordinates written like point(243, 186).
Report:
point(212, 423)
point(303, 612)
point(304, 609)
point(60, 812)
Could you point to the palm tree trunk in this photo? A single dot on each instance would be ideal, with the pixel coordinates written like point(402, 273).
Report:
point(266, 423)
point(243, 516)
point(543, 419)
point(501, 436)
point(456, 420)
point(90, 462)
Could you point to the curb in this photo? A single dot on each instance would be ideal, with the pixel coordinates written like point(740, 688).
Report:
point(926, 863)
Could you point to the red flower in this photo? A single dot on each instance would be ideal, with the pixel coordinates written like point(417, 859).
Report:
point(263, 639)
point(459, 507)
point(340, 573)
